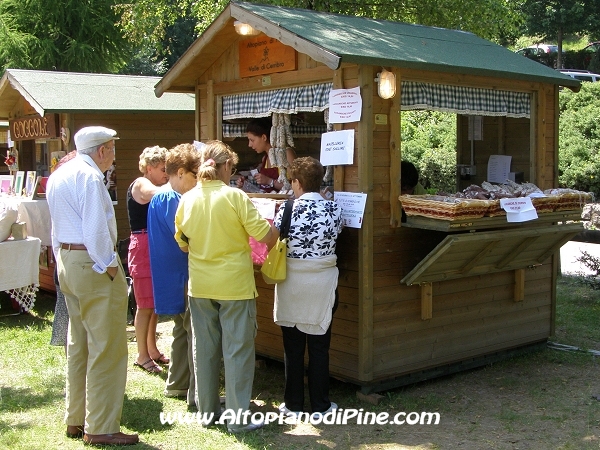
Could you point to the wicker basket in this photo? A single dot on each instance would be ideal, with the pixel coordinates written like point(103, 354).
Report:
point(495, 209)
point(545, 204)
point(572, 201)
point(443, 208)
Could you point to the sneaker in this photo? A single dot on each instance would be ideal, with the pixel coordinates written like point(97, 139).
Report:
point(250, 427)
point(288, 412)
point(319, 415)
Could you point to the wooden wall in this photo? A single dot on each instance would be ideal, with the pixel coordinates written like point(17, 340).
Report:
point(136, 132)
point(378, 333)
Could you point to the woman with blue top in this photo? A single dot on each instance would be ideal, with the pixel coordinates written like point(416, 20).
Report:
point(169, 267)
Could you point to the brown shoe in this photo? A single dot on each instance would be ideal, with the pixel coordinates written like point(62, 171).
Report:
point(74, 431)
point(110, 439)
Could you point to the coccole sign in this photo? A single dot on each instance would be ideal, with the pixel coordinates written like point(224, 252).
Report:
point(34, 127)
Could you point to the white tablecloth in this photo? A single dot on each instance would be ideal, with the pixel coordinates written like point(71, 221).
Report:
point(19, 269)
point(36, 214)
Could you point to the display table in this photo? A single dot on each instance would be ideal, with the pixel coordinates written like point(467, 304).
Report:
point(36, 214)
point(19, 269)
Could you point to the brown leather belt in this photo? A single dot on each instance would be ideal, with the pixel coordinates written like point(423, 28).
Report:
point(73, 246)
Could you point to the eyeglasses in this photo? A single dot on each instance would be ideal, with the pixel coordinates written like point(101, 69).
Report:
point(233, 170)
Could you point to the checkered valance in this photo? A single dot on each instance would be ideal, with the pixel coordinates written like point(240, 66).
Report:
point(312, 98)
point(464, 100)
point(233, 130)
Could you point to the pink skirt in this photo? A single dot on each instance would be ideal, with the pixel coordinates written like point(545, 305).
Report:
point(138, 263)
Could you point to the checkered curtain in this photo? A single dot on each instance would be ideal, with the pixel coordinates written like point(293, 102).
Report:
point(464, 100)
point(312, 98)
point(233, 130)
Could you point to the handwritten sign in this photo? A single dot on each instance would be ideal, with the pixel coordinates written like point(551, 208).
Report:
point(337, 147)
point(518, 209)
point(262, 54)
point(345, 105)
point(353, 207)
point(498, 168)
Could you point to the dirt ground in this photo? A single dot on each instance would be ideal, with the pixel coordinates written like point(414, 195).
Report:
point(544, 400)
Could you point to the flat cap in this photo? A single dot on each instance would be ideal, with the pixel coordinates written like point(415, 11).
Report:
point(89, 137)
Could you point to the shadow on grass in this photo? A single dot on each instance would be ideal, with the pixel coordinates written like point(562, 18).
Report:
point(142, 415)
point(37, 319)
point(20, 399)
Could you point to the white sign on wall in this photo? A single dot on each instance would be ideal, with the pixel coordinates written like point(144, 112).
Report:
point(353, 207)
point(337, 147)
point(345, 105)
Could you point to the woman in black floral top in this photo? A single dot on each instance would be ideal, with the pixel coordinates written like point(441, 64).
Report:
point(306, 300)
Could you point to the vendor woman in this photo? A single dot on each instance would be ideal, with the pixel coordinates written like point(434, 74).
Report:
point(259, 132)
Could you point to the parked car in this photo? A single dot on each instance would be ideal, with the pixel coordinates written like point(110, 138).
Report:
point(582, 75)
point(538, 50)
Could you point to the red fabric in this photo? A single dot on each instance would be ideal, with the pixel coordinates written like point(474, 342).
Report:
point(138, 263)
point(271, 172)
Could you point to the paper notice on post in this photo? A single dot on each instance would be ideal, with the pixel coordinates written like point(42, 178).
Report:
point(345, 105)
point(498, 168)
point(337, 147)
point(518, 209)
point(265, 206)
point(353, 207)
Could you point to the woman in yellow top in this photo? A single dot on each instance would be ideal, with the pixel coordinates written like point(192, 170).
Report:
point(213, 223)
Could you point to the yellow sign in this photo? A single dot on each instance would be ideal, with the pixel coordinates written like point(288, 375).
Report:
point(262, 54)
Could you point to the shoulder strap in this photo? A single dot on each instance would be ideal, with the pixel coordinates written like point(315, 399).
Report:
point(286, 219)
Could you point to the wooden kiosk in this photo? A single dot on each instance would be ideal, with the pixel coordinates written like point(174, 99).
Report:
point(64, 102)
point(424, 299)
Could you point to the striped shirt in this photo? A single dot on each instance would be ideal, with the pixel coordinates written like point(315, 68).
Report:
point(82, 211)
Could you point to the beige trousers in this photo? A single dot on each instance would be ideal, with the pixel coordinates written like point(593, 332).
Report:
point(96, 343)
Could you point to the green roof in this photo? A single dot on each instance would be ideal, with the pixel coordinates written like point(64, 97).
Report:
point(70, 92)
point(335, 39)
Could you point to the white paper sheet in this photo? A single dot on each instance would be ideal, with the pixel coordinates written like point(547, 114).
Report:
point(353, 207)
point(345, 105)
point(337, 147)
point(498, 168)
point(518, 209)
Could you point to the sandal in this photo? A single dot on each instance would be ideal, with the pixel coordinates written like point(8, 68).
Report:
point(162, 359)
point(149, 366)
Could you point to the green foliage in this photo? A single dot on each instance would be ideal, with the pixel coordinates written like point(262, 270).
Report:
point(579, 138)
point(429, 142)
point(162, 30)
point(67, 35)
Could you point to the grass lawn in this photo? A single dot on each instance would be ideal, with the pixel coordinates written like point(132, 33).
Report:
point(545, 400)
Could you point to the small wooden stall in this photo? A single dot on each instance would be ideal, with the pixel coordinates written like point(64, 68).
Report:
point(45, 109)
point(420, 300)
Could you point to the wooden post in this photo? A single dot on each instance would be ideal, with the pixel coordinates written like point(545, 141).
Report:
point(519, 285)
point(426, 301)
point(364, 163)
point(395, 155)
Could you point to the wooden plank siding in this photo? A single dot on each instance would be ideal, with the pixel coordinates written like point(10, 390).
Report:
point(378, 333)
point(136, 132)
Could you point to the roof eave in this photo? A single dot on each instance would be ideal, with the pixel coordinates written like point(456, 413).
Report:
point(21, 90)
point(274, 30)
point(169, 82)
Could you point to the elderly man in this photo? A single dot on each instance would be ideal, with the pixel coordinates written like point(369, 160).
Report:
point(84, 234)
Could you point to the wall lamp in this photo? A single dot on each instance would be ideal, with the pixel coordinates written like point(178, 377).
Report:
point(243, 29)
point(386, 84)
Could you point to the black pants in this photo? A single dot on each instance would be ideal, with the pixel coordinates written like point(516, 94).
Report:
point(294, 345)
